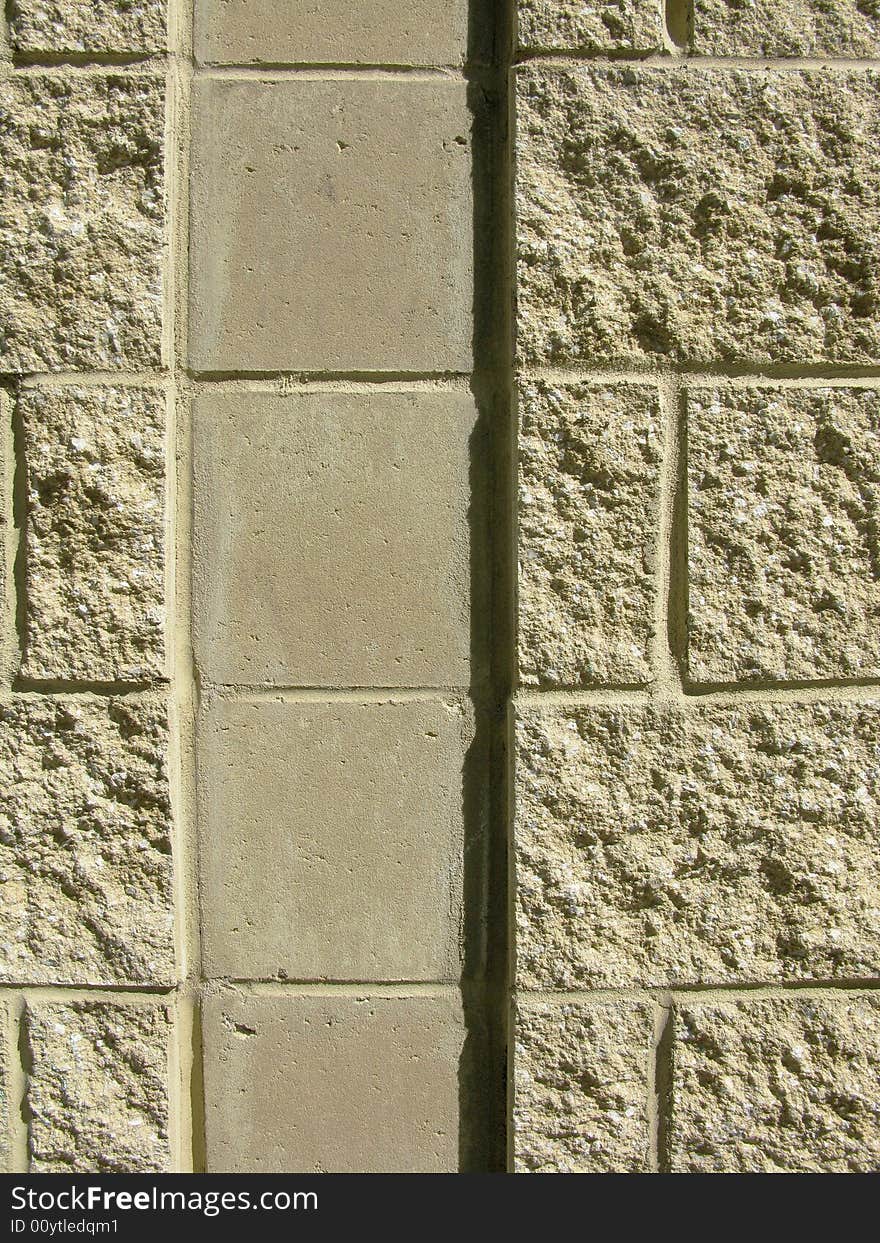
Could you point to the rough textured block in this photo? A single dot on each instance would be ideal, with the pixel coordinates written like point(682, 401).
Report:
point(594, 25)
point(98, 1087)
point(728, 843)
point(336, 1084)
point(589, 459)
point(351, 513)
point(581, 1088)
point(782, 1085)
point(422, 32)
point(638, 238)
point(784, 555)
point(795, 28)
point(333, 840)
point(85, 850)
point(81, 221)
point(87, 25)
point(95, 533)
point(331, 226)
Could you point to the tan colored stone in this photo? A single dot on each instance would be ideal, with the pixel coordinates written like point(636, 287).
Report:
point(85, 850)
point(98, 1087)
point(331, 538)
point(81, 221)
point(589, 25)
point(727, 843)
point(724, 214)
point(333, 840)
point(87, 25)
point(581, 1087)
point(784, 555)
point(782, 1085)
point(331, 226)
point(95, 561)
point(792, 28)
point(338, 1084)
point(589, 461)
point(384, 32)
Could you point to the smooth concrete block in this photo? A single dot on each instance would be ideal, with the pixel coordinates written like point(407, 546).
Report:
point(333, 839)
point(98, 1087)
point(339, 1084)
point(332, 545)
point(379, 32)
point(783, 553)
point(581, 1087)
point(719, 214)
point(331, 226)
point(776, 1085)
point(720, 844)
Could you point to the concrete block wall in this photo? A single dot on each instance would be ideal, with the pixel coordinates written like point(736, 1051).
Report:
point(436, 440)
point(696, 725)
point(248, 713)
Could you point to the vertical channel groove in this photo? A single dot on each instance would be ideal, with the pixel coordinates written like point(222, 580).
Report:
point(505, 569)
point(186, 1104)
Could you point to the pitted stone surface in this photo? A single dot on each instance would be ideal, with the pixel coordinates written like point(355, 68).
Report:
point(589, 458)
point(85, 850)
point(589, 25)
point(792, 28)
point(98, 1087)
point(725, 843)
point(784, 552)
point(95, 533)
point(87, 25)
point(384, 32)
point(782, 1085)
point(81, 221)
point(714, 215)
point(581, 1087)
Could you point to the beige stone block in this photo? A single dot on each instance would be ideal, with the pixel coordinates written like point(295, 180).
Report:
point(589, 466)
point(594, 25)
point(81, 221)
point(581, 1087)
point(331, 538)
point(98, 1087)
point(333, 1084)
point(85, 849)
point(795, 28)
point(333, 840)
point(87, 25)
point(331, 226)
point(382, 32)
point(782, 1085)
point(639, 239)
point(720, 844)
point(95, 533)
point(783, 556)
